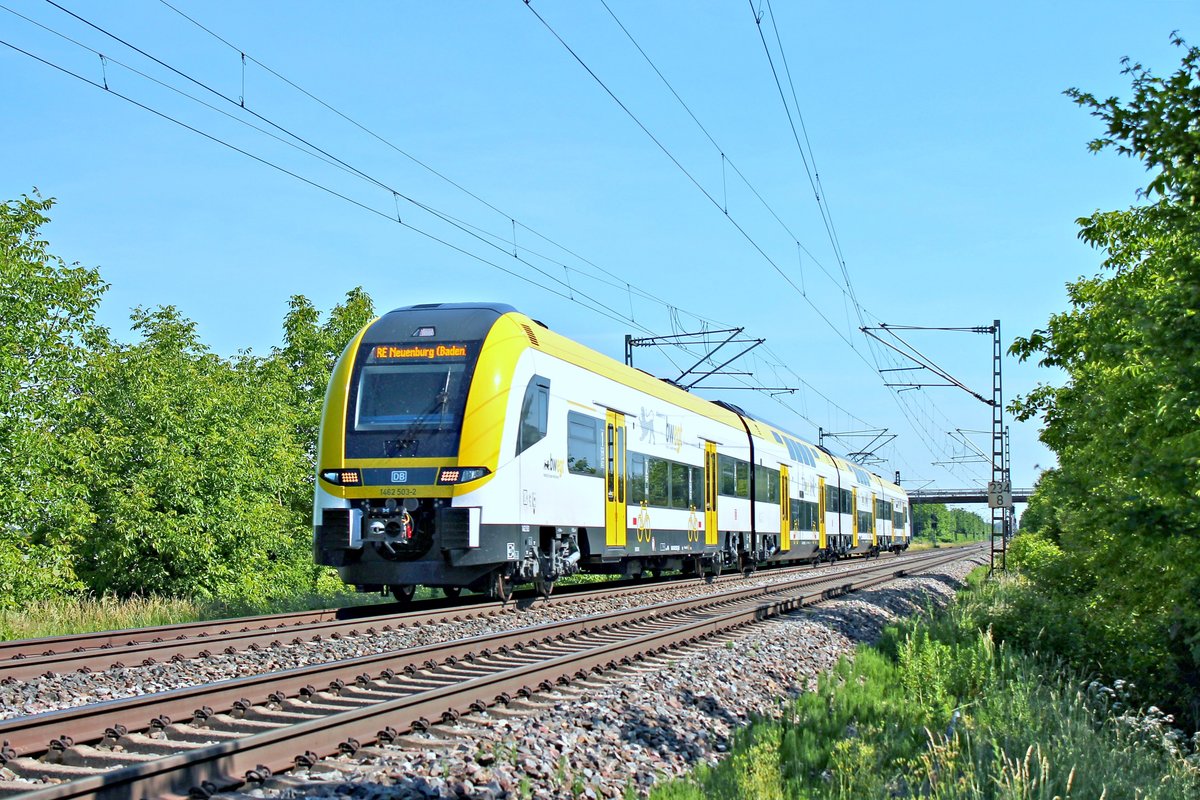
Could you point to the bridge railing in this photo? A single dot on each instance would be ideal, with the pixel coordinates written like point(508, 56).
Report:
point(965, 496)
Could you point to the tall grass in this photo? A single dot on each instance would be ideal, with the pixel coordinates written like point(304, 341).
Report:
point(86, 614)
point(939, 710)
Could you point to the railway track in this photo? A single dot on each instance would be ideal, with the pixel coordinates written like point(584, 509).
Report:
point(93, 652)
point(211, 737)
point(20, 649)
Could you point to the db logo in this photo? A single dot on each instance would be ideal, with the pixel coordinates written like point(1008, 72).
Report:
point(399, 476)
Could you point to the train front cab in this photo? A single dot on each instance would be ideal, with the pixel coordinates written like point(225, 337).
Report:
point(409, 451)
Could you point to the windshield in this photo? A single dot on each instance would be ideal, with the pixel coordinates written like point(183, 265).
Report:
point(407, 400)
point(398, 396)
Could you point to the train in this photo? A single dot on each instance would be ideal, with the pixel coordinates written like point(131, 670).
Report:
point(468, 446)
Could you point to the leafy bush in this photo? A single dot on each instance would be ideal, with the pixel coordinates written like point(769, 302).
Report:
point(30, 573)
point(940, 710)
point(1035, 555)
point(152, 467)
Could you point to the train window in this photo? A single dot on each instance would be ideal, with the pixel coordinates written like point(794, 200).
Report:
point(766, 484)
point(864, 522)
point(861, 475)
point(801, 453)
point(679, 485)
point(422, 396)
point(734, 477)
point(637, 478)
point(832, 502)
point(657, 483)
point(805, 515)
point(847, 501)
point(697, 498)
point(728, 484)
point(535, 412)
point(583, 444)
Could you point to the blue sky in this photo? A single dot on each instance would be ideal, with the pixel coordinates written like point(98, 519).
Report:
point(952, 167)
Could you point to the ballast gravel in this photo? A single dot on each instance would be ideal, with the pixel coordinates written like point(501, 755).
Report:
point(59, 691)
point(626, 730)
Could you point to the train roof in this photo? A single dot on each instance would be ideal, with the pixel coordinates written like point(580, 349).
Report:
point(476, 320)
point(473, 320)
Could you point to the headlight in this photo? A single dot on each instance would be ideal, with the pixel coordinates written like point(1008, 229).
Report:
point(342, 477)
point(449, 475)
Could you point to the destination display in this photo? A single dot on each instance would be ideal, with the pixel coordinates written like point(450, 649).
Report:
point(418, 352)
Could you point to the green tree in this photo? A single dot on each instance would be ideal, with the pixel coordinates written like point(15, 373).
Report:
point(156, 466)
point(199, 469)
point(303, 366)
point(187, 459)
point(952, 523)
point(1123, 504)
point(47, 331)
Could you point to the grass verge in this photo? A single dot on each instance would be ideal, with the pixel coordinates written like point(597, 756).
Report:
point(62, 616)
point(939, 710)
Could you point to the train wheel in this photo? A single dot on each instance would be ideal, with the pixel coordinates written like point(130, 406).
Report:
point(452, 591)
point(502, 588)
point(544, 588)
point(404, 593)
point(714, 567)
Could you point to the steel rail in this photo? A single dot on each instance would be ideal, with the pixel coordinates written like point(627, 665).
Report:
point(230, 763)
point(16, 649)
point(147, 652)
point(30, 735)
point(108, 640)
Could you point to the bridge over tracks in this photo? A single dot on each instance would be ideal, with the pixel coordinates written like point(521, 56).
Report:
point(961, 496)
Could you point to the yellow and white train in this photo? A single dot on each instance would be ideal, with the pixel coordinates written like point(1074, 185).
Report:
point(466, 445)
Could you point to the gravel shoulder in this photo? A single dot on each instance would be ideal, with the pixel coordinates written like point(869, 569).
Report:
point(58, 691)
point(628, 729)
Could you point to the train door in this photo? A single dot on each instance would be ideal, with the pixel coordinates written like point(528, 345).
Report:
point(821, 540)
point(616, 530)
point(710, 494)
point(854, 517)
point(785, 510)
point(874, 521)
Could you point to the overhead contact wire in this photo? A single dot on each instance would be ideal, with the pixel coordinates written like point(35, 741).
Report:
point(459, 223)
point(332, 160)
point(406, 154)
